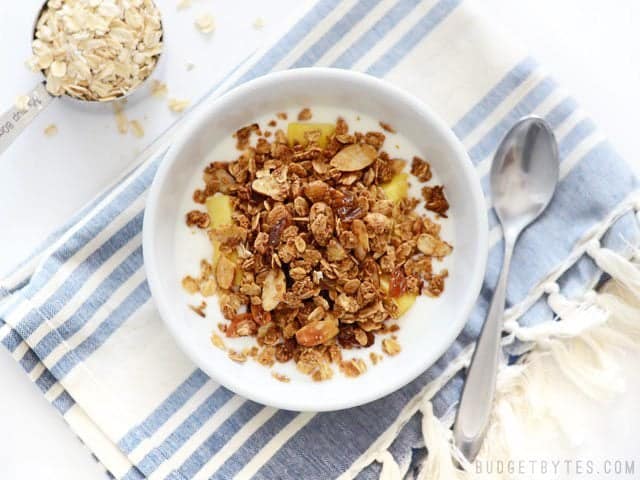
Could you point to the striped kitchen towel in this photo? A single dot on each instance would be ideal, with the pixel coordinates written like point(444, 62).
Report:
point(83, 325)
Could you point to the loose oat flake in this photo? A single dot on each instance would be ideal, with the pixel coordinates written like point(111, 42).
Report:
point(205, 23)
point(177, 105)
point(96, 50)
point(158, 89)
point(217, 341)
point(136, 128)
point(50, 130)
point(280, 377)
point(22, 103)
point(318, 245)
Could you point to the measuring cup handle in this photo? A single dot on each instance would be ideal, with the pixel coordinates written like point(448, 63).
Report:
point(14, 121)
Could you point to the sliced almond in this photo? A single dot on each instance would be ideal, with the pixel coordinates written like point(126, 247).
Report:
point(354, 157)
point(316, 191)
point(273, 289)
point(317, 333)
point(271, 187)
point(431, 245)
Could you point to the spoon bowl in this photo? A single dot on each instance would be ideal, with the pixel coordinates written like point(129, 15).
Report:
point(524, 173)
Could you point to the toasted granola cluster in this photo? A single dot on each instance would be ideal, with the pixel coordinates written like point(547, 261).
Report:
point(316, 257)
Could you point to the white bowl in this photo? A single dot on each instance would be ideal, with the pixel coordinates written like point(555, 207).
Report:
point(427, 329)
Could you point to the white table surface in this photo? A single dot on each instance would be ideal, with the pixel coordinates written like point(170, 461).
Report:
point(591, 46)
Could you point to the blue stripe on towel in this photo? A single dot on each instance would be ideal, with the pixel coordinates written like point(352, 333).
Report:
point(389, 20)
point(185, 430)
point(335, 33)
point(301, 29)
point(561, 112)
point(12, 340)
point(98, 223)
point(253, 445)
point(577, 134)
point(98, 298)
point(410, 39)
point(121, 314)
point(80, 275)
point(512, 80)
point(531, 100)
point(163, 411)
point(216, 441)
point(63, 403)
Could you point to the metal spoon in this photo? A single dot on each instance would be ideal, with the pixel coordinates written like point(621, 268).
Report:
point(14, 121)
point(524, 175)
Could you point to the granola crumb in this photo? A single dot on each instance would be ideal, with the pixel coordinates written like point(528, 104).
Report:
point(190, 284)
point(217, 342)
point(421, 169)
point(386, 127)
point(158, 89)
point(280, 377)
point(237, 357)
point(50, 130)
point(353, 368)
point(375, 358)
point(272, 123)
point(390, 346)
point(136, 128)
point(282, 115)
point(205, 23)
point(196, 218)
point(178, 105)
point(199, 309)
point(435, 200)
point(305, 114)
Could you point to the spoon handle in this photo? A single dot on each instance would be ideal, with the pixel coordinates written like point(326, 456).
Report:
point(477, 397)
point(13, 122)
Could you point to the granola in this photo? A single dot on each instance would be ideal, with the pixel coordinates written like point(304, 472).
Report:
point(318, 247)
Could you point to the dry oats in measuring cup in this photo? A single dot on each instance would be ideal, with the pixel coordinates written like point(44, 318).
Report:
point(96, 50)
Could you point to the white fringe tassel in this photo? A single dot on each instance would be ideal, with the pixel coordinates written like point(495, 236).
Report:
point(578, 347)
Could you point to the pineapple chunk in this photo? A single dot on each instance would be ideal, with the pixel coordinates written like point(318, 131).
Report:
point(404, 301)
point(219, 209)
point(384, 283)
point(397, 188)
point(296, 131)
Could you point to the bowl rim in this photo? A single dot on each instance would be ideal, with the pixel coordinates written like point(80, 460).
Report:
point(189, 129)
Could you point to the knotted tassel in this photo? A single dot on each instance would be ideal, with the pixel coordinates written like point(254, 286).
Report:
point(618, 267)
point(390, 468)
point(442, 454)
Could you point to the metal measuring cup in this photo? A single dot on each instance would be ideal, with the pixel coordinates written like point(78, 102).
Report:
point(14, 121)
